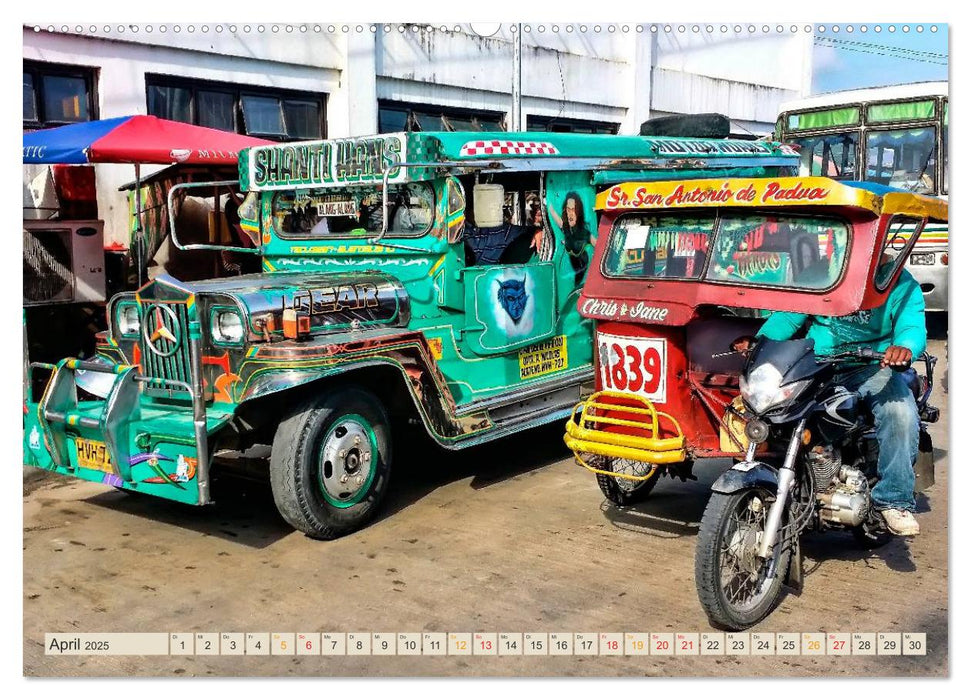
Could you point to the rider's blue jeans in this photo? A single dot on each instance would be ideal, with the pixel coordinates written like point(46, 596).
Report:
point(898, 432)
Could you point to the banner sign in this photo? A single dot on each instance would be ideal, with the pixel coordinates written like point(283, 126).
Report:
point(332, 163)
point(735, 193)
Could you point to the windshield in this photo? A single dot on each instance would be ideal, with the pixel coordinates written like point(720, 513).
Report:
point(904, 158)
point(353, 211)
point(783, 251)
point(659, 246)
point(800, 252)
point(832, 155)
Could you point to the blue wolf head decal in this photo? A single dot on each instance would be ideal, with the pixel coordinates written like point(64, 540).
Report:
point(512, 297)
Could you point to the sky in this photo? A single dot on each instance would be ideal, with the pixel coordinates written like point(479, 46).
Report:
point(844, 60)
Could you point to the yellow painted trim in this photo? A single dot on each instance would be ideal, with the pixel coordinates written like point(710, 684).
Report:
point(765, 192)
point(434, 269)
point(581, 447)
point(916, 205)
point(585, 439)
point(619, 439)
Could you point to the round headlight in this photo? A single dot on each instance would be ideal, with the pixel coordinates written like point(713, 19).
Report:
point(756, 430)
point(227, 327)
point(128, 321)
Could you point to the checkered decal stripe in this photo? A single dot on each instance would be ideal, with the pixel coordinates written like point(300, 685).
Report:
point(508, 148)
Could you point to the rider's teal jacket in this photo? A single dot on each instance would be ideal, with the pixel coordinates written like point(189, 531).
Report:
point(899, 321)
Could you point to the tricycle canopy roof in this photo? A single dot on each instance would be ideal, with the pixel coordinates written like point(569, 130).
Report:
point(769, 193)
point(803, 244)
point(424, 155)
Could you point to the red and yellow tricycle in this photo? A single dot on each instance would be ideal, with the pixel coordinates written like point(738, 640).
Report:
point(683, 268)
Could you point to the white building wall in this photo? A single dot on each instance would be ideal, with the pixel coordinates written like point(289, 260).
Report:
point(774, 59)
point(616, 77)
point(685, 93)
point(563, 75)
point(744, 75)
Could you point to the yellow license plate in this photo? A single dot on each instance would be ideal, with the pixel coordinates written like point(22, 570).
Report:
point(93, 454)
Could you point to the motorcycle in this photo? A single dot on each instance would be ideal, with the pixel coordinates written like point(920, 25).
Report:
point(748, 545)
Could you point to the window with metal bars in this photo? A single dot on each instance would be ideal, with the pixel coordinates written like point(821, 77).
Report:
point(278, 115)
point(404, 116)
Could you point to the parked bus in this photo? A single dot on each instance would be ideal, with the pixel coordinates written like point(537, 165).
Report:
point(894, 136)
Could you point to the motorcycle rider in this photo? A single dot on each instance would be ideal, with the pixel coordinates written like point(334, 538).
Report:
point(897, 329)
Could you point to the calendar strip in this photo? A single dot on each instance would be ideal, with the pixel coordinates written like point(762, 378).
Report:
point(669, 644)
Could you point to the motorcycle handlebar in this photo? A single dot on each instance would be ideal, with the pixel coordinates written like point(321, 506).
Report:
point(862, 353)
point(865, 354)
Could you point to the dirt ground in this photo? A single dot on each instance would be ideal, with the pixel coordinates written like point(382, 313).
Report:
point(509, 537)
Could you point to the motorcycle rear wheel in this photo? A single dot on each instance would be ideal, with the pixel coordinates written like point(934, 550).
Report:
point(730, 579)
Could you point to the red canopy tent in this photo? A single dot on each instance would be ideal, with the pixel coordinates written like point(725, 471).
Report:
point(138, 139)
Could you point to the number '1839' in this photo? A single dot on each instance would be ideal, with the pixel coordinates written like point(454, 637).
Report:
point(634, 365)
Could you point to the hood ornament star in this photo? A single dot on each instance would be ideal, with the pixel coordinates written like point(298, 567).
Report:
point(161, 331)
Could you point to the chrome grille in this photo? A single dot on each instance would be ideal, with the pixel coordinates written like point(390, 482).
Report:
point(170, 359)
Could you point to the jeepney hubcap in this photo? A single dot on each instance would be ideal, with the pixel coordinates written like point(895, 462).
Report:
point(347, 458)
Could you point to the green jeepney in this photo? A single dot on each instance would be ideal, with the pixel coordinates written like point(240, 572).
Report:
point(409, 281)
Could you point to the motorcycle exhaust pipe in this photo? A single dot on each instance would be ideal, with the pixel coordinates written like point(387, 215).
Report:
point(787, 474)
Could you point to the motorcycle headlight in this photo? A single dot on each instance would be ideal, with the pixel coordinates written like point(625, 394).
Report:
point(763, 388)
point(128, 321)
point(227, 327)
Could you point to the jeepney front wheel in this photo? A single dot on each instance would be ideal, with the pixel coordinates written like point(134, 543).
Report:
point(625, 492)
point(331, 462)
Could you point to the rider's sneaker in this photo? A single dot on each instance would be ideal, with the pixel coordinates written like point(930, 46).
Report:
point(901, 522)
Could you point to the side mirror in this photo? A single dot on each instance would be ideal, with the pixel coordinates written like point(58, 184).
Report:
point(487, 203)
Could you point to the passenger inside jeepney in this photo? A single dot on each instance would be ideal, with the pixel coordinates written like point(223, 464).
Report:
point(518, 236)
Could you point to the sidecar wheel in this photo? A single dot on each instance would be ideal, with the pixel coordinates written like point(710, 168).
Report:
point(625, 492)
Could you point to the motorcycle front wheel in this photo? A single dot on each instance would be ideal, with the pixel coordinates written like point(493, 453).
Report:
point(731, 579)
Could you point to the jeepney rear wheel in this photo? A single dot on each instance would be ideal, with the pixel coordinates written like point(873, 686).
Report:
point(331, 462)
point(625, 492)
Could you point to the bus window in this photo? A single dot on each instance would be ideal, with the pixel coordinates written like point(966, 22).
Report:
point(944, 148)
point(903, 158)
point(833, 155)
